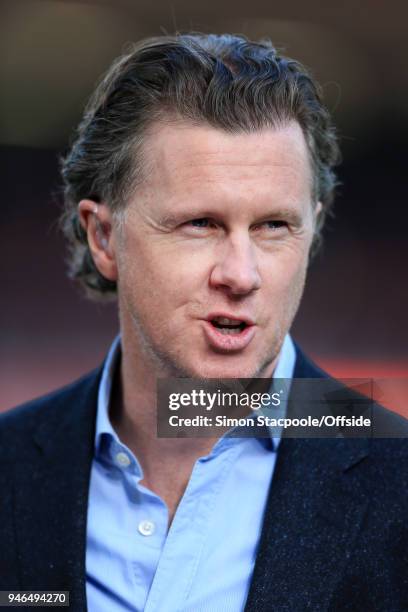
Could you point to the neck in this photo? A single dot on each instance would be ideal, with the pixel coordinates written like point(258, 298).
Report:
point(133, 413)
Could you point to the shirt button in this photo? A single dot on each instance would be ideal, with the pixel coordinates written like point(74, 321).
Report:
point(146, 528)
point(123, 459)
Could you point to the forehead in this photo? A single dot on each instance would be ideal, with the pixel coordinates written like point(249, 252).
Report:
point(183, 158)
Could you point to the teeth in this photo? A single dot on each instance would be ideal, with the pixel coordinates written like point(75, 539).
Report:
point(225, 321)
point(226, 331)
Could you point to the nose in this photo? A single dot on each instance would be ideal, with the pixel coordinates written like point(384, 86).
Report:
point(236, 269)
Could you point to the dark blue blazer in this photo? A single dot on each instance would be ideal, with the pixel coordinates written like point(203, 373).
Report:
point(334, 535)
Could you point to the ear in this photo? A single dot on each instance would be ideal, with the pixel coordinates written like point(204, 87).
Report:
point(97, 221)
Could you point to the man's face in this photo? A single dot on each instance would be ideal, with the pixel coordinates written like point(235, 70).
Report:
point(216, 236)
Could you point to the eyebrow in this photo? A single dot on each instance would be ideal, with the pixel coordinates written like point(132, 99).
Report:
point(293, 216)
point(172, 219)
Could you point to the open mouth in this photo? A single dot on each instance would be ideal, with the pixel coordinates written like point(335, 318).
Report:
point(227, 334)
point(228, 326)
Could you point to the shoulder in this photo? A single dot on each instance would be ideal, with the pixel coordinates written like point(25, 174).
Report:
point(48, 412)
point(388, 437)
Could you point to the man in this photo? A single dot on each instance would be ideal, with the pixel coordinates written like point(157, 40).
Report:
point(195, 192)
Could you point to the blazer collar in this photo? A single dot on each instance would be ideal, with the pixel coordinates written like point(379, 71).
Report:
point(51, 492)
point(305, 367)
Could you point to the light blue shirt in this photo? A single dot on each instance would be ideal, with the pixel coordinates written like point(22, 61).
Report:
point(204, 562)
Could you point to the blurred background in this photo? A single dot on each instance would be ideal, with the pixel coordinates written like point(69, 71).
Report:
point(353, 317)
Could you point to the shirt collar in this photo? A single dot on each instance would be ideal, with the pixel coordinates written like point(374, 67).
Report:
point(103, 424)
point(283, 373)
point(284, 370)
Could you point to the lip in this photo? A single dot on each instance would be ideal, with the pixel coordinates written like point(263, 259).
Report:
point(231, 342)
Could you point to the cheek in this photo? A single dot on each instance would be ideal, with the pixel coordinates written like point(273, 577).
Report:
point(150, 273)
point(285, 279)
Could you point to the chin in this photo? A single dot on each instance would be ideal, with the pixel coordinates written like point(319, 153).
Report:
point(227, 371)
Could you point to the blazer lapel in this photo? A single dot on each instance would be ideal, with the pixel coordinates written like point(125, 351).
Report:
point(314, 511)
point(51, 493)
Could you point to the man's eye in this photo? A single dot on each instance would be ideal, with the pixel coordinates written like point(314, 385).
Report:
point(201, 227)
point(274, 225)
point(200, 222)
